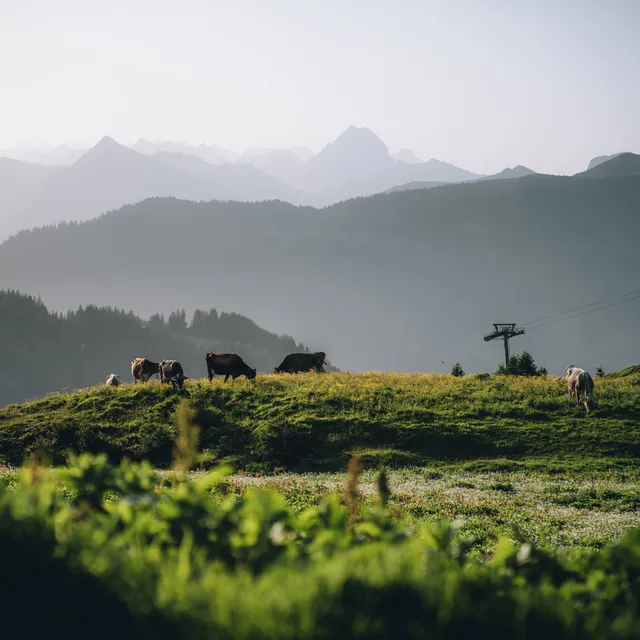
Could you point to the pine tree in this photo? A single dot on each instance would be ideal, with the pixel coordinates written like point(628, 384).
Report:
point(156, 322)
point(526, 365)
point(177, 321)
point(456, 370)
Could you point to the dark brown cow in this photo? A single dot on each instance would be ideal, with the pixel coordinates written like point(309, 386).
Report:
point(296, 362)
point(142, 369)
point(228, 364)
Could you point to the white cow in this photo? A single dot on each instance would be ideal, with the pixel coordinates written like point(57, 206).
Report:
point(579, 382)
point(113, 380)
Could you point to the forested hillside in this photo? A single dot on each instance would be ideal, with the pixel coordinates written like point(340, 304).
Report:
point(44, 351)
point(409, 281)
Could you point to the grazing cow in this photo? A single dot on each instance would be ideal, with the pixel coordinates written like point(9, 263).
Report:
point(171, 371)
point(113, 381)
point(142, 369)
point(296, 362)
point(579, 382)
point(228, 364)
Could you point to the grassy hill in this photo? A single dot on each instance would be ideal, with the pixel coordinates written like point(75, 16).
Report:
point(317, 421)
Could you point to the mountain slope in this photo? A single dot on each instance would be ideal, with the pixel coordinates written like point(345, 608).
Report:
point(106, 177)
point(410, 186)
point(358, 164)
point(232, 182)
point(398, 282)
point(61, 155)
point(518, 171)
point(623, 164)
point(18, 181)
point(210, 154)
point(110, 175)
point(282, 164)
point(356, 153)
point(431, 173)
point(406, 155)
point(600, 159)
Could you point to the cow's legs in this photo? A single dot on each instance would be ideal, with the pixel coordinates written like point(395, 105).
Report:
point(226, 377)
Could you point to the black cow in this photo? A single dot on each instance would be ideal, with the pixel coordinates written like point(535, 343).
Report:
point(296, 362)
point(228, 364)
point(142, 369)
point(171, 371)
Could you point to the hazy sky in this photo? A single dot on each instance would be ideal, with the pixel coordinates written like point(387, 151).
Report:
point(480, 83)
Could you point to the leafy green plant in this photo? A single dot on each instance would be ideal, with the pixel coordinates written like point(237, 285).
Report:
point(111, 548)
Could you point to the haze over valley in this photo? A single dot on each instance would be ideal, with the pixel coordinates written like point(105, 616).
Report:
point(407, 281)
point(387, 218)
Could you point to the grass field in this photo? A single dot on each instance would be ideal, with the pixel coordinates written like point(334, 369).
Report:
point(315, 422)
point(546, 501)
point(555, 511)
point(503, 456)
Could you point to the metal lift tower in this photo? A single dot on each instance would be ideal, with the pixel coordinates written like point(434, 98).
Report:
point(505, 331)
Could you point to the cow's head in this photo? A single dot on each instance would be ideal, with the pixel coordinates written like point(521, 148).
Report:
point(178, 381)
point(251, 374)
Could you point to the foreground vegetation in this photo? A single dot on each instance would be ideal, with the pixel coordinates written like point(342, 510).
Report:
point(504, 509)
point(130, 554)
point(315, 422)
point(576, 508)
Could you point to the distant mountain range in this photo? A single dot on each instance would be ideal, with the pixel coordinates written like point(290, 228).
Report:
point(110, 175)
point(401, 281)
point(72, 184)
point(59, 156)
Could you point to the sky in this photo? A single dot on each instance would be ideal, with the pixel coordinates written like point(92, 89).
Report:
point(483, 84)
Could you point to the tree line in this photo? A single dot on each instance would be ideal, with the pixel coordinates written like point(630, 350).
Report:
point(45, 351)
point(521, 364)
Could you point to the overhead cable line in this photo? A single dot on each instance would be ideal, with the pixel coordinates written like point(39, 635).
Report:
point(613, 304)
point(584, 306)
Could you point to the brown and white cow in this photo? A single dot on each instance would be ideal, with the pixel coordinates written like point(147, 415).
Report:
point(579, 383)
point(142, 369)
